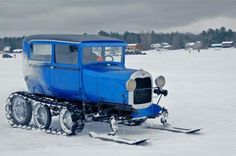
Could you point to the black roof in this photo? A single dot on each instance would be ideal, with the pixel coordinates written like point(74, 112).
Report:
point(70, 38)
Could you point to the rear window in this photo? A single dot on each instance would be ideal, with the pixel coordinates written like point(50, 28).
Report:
point(41, 52)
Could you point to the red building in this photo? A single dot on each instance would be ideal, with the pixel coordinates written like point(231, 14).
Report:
point(134, 47)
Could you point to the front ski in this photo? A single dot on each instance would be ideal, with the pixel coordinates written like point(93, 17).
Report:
point(168, 127)
point(116, 138)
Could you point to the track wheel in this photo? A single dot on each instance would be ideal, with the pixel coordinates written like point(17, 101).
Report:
point(42, 116)
point(20, 110)
point(70, 123)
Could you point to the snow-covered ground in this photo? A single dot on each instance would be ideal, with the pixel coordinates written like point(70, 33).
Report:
point(202, 94)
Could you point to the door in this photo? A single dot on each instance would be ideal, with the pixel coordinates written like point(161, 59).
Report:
point(66, 72)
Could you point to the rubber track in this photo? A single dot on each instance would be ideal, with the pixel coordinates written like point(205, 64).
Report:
point(32, 98)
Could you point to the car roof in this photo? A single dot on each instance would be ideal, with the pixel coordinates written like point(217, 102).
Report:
point(71, 38)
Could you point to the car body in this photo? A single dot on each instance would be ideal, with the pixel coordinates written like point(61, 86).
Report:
point(6, 56)
point(57, 66)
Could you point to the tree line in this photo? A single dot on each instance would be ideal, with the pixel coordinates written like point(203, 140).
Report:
point(176, 39)
point(13, 42)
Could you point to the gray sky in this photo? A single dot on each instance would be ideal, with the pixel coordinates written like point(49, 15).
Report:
point(24, 17)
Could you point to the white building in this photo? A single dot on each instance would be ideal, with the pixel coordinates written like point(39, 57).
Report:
point(17, 51)
point(155, 46)
point(193, 45)
point(227, 44)
point(216, 45)
point(7, 49)
point(160, 46)
point(165, 45)
point(189, 45)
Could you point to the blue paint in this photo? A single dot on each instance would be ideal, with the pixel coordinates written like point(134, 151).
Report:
point(150, 112)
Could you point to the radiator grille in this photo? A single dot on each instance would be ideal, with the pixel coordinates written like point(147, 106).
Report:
point(143, 91)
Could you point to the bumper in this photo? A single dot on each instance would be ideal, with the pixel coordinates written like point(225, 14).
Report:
point(152, 111)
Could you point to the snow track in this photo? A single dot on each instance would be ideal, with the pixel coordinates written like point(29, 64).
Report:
point(32, 100)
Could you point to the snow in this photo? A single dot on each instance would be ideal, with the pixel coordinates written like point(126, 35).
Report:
point(201, 95)
point(132, 44)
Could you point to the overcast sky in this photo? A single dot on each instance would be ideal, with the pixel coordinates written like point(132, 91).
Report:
point(24, 17)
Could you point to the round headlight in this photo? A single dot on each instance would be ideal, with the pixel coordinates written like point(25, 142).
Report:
point(160, 81)
point(131, 85)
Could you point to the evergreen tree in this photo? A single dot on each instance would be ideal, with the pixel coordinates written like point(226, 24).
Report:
point(176, 39)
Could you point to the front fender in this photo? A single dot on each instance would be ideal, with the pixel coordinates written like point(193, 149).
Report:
point(152, 111)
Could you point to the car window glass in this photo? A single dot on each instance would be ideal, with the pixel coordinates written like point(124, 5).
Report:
point(41, 52)
point(66, 54)
point(92, 55)
point(113, 54)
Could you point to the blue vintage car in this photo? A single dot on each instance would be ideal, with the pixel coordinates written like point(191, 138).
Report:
point(82, 78)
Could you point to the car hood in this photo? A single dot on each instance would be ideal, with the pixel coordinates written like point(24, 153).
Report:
point(107, 83)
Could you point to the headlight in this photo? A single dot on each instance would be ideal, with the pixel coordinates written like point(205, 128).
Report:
point(160, 81)
point(131, 85)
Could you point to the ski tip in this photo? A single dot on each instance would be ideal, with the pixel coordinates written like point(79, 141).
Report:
point(92, 134)
point(193, 131)
point(140, 142)
point(117, 139)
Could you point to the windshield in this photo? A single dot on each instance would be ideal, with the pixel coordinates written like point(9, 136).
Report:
point(102, 54)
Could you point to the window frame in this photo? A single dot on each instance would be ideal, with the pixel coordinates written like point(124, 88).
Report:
point(66, 64)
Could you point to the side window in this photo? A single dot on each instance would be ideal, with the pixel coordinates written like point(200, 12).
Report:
point(92, 55)
point(66, 54)
point(41, 52)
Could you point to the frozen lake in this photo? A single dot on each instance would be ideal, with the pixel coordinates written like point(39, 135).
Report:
point(202, 94)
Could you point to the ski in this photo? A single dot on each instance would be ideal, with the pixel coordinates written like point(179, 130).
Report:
point(168, 127)
point(115, 138)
